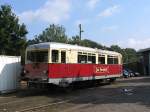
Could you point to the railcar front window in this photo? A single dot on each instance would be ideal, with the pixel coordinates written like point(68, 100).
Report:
point(37, 56)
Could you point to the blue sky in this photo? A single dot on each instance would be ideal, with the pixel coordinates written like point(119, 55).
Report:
point(122, 22)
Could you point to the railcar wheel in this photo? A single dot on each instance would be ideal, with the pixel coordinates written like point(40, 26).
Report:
point(112, 80)
point(32, 85)
point(29, 85)
point(68, 89)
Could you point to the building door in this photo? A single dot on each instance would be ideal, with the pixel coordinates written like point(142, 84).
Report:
point(148, 67)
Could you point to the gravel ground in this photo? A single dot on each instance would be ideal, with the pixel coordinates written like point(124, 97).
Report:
point(125, 95)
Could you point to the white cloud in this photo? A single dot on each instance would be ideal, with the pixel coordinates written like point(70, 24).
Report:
point(92, 3)
point(53, 11)
point(109, 11)
point(109, 28)
point(135, 43)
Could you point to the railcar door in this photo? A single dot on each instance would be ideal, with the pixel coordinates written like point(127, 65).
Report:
point(63, 56)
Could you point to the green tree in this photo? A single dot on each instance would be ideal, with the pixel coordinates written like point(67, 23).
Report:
point(90, 43)
point(74, 40)
point(116, 48)
point(12, 34)
point(54, 33)
point(84, 42)
point(130, 55)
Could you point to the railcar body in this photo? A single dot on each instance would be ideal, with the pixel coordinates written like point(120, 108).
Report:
point(61, 64)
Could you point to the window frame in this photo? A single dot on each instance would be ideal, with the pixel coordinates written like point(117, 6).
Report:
point(101, 56)
point(87, 54)
point(61, 56)
point(52, 56)
point(36, 50)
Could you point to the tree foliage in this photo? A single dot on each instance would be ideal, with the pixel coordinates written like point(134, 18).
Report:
point(12, 34)
point(54, 33)
point(116, 48)
point(84, 42)
point(90, 43)
point(129, 54)
point(74, 40)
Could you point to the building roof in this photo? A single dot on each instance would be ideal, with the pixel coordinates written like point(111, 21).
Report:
point(144, 50)
point(55, 45)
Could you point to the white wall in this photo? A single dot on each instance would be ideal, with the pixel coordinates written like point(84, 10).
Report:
point(10, 69)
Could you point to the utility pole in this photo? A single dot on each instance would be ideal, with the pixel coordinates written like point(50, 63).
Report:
point(80, 32)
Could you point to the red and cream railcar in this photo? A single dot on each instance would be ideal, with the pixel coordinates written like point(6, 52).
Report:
point(62, 64)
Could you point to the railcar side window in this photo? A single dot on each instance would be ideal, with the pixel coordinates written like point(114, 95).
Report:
point(112, 60)
point(55, 56)
point(115, 60)
point(82, 58)
point(63, 57)
point(86, 57)
point(101, 59)
point(91, 59)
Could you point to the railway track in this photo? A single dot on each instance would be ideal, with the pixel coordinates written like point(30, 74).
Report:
point(12, 101)
point(44, 105)
point(89, 103)
point(4, 97)
point(24, 96)
point(39, 107)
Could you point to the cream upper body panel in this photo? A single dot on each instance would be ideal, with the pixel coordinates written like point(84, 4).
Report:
point(72, 50)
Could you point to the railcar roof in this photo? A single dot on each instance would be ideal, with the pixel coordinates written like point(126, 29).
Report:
point(55, 45)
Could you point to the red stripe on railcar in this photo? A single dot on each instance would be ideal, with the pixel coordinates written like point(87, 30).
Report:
point(82, 70)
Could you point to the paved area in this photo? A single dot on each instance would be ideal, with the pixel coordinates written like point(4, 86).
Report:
point(125, 95)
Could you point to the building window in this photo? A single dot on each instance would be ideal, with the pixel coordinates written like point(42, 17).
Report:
point(55, 56)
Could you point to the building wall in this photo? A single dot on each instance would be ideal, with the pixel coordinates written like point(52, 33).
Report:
point(145, 62)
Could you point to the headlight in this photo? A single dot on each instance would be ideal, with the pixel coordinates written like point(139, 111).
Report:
point(45, 71)
point(25, 71)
